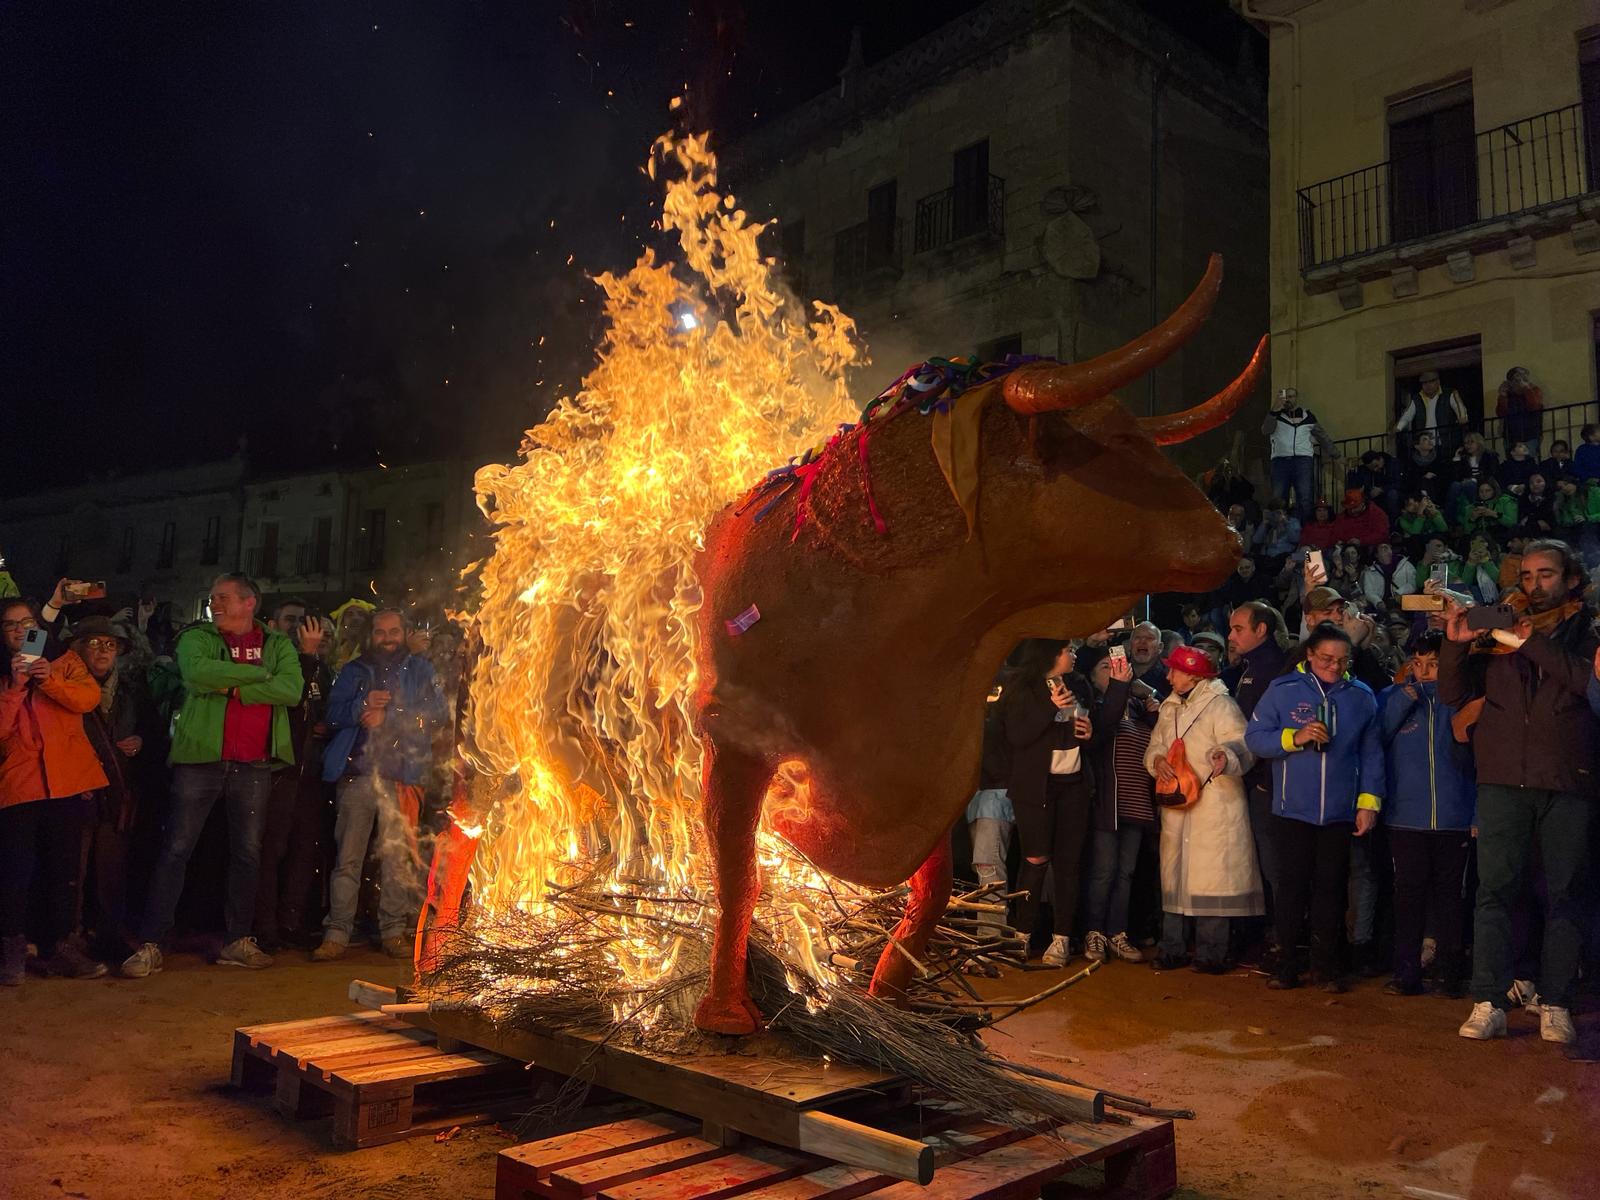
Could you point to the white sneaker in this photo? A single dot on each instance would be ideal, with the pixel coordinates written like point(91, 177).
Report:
point(1486, 1022)
point(146, 960)
point(1060, 950)
point(1555, 1025)
point(1523, 994)
point(1125, 950)
point(1430, 951)
point(243, 952)
point(1094, 946)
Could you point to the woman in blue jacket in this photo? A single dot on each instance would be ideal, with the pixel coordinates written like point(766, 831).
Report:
point(1429, 815)
point(1319, 730)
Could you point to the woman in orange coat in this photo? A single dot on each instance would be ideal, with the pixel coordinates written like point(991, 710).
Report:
point(48, 773)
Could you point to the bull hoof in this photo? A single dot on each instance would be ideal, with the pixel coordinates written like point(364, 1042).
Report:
point(736, 1018)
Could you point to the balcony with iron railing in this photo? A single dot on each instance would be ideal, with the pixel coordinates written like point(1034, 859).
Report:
point(868, 252)
point(1561, 423)
point(1453, 190)
point(966, 211)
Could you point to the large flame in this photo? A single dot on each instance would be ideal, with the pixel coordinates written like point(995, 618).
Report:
point(709, 374)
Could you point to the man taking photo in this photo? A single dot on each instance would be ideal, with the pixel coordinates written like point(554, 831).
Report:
point(1535, 743)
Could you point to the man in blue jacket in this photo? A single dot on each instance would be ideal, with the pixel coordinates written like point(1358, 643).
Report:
point(384, 709)
point(1429, 815)
point(1320, 729)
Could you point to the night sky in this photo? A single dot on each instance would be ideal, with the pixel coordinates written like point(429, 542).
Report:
point(327, 226)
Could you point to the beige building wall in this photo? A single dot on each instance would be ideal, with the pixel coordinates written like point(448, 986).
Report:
point(1328, 114)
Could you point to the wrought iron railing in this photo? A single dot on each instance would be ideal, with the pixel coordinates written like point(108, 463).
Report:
point(1561, 423)
point(960, 212)
point(867, 250)
point(312, 558)
point(1515, 168)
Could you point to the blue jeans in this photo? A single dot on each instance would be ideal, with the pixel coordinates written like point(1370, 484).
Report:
point(1210, 937)
point(1113, 855)
point(195, 788)
point(1298, 472)
point(366, 801)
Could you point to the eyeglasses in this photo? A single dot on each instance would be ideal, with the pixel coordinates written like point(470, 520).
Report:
point(1328, 660)
point(103, 643)
point(13, 626)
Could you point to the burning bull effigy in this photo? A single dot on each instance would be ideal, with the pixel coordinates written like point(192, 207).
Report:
point(721, 713)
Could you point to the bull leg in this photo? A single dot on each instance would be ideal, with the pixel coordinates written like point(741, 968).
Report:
point(734, 787)
point(930, 896)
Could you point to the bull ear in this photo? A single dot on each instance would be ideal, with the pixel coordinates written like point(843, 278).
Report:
point(1046, 387)
point(1180, 427)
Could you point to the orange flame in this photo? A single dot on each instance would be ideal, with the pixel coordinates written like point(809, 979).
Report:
point(582, 693)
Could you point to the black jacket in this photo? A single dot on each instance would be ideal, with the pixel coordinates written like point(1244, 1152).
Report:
point(1261, 666)
point(1535, 730)
point(309, 713)
point(1107, 721)
point(1035, 734)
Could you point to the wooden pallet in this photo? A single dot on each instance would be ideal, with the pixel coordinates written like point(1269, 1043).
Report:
point(845, 1121)
point(661, 1158)
point(380, 1078)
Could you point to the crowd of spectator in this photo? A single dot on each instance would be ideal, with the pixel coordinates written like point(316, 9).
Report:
point(272, 773)
point(1330, 762)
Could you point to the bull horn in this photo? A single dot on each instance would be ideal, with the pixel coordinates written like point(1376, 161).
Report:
point(1180, 427)
point(1050, 386)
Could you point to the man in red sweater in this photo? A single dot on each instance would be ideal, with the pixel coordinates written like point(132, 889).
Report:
point(1360, 521)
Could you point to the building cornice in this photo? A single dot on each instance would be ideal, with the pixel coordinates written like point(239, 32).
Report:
point(985, 35)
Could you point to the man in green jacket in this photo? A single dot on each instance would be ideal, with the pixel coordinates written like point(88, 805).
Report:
point(240, 677)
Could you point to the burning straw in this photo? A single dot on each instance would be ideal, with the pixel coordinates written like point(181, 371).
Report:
point(554, 971)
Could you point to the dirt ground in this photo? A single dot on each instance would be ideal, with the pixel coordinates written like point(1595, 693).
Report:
point(118, 1088)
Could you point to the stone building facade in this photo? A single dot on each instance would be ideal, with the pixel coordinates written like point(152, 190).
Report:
point(999, 185)
point(399, 533)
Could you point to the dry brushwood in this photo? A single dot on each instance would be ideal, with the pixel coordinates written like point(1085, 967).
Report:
point(557, 970)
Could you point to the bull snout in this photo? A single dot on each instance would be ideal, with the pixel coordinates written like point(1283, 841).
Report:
point(1203, 552)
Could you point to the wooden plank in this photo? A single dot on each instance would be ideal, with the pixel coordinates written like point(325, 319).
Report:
point(594, 1176)
point(370, 995)
point(328, 1069)
point(582, 1145)
point(830, 1183)
point(408, 1039)
point(1012, 1172)
point(792, 1082)
point(294, 1043)
point(673, 1085)
point(726, 1175)
point(254, 1032)
point(432, 1070)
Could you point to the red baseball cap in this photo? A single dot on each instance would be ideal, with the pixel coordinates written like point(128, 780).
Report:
point(1190, 661)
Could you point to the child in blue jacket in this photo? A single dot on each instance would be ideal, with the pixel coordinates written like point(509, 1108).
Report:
point(1318, 730)
point(1429, 815)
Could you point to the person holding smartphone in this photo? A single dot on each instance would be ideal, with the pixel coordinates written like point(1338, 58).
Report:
point(1052, 782)
point(1319, 729)
point(49, 773)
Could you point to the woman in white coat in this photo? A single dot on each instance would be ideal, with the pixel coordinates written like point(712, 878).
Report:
point(1208, 857)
